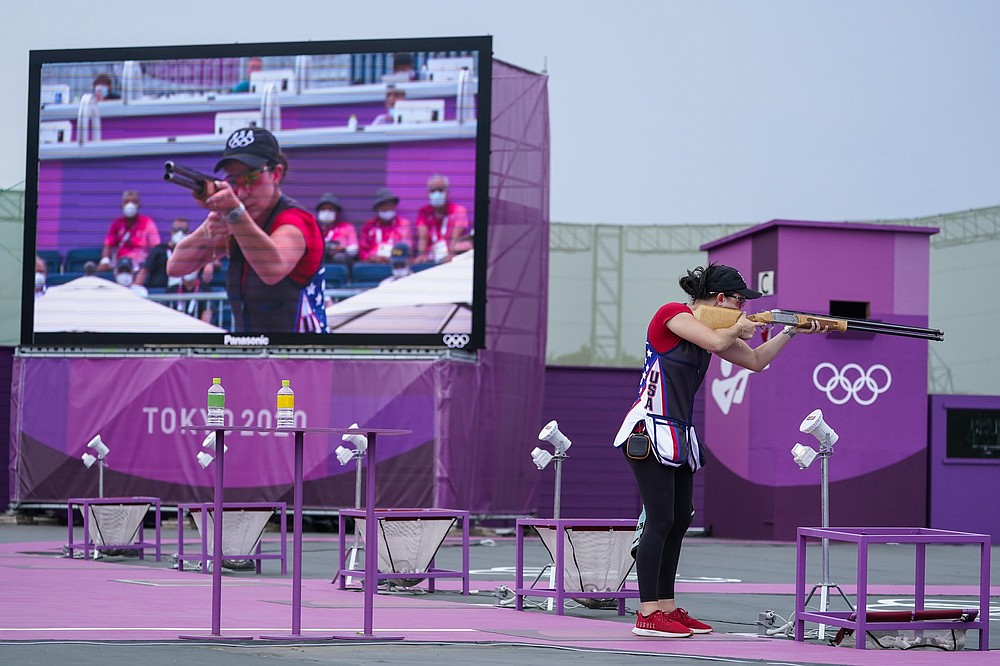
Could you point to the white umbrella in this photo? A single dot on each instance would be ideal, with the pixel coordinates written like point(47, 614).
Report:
point(93, 304)
point(435, 300)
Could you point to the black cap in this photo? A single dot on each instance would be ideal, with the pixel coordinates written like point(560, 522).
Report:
point(727, 280)
point(124, 264)
point(330, 200)
point(384, 195)
point(252, 146)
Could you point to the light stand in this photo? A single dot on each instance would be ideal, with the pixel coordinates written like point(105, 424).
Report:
point(560, 443)
point(804, 455)
point(344, 456)
point(99, 447)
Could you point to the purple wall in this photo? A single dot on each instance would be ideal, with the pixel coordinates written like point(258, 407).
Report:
point(963, 491)
point(878, 469)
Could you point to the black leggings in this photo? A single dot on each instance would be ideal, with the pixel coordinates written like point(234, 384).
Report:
point(666, 494)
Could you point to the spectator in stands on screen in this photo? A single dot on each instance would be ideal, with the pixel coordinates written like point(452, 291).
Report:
point(402, 68)
point(400, 261)
point(440, 223)
point(339, 236)
point(392, 95)
point(153, 273)
point(199, 309)
point(90, 268)
point(274, 245)
point(130, 236)
point(41, 275)
point(254, 64)
point(103, 89)
point(125, 276)
point(386, 229)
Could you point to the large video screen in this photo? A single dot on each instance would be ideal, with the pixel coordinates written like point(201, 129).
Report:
point(316, 194)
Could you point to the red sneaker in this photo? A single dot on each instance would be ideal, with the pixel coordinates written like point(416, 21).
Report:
point(658, 624)
point(681, 617)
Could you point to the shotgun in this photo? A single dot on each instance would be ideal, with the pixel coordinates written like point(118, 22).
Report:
point(185, 177)
point(716, 317)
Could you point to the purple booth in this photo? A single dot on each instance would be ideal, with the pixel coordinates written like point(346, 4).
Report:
point(872, 389)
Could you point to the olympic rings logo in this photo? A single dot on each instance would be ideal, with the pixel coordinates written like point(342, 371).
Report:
point(455, 340)
point(241, 139)
point(852, 381)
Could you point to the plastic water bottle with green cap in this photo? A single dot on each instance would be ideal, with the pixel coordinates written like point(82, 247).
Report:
point(286, 405)
point(216, 404)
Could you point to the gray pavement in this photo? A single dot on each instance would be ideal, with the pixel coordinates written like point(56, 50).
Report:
point(725, 583)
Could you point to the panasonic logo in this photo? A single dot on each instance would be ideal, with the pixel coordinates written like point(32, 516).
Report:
point(247, 340)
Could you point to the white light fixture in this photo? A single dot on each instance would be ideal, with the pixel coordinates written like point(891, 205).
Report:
point(803, 455)
point(204, 457)
point(344, 455)
point(815, 425)
point(550, 433)
point(100, 452)
point(99, 447)
point(359, 442)
point(541, 457)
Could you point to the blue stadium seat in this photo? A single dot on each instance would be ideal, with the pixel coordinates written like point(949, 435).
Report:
point(336, 275)
point(77, 257)
point(369, 275)
point(61, 278)
point(422, 266)
point(52, 259)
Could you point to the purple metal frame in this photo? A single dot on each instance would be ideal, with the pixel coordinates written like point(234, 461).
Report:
point(84, 502)
point(559, 592)
point(296, 632)
point(866, 536)
point(431, 573)
point(257, 555)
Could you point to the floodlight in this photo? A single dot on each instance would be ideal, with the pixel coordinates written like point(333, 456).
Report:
point(803, 455)
point(818, 428)
point(344, 454)
point(550, 433)
point(88, 460)
point(204, 457)
point(541, 457)
point(359, 442)
point(99, 447)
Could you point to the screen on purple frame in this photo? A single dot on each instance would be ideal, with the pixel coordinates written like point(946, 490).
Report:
point(361, 168)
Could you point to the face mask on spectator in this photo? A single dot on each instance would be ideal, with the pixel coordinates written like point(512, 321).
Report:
point(177, 237)
point(438, 198)
point(130, 209)
point(101, 90)
point(124, 279)
point(387, 215)
point(327, 216)
point(39, 280)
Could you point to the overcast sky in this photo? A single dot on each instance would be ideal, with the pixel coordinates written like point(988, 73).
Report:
point(661, 111)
